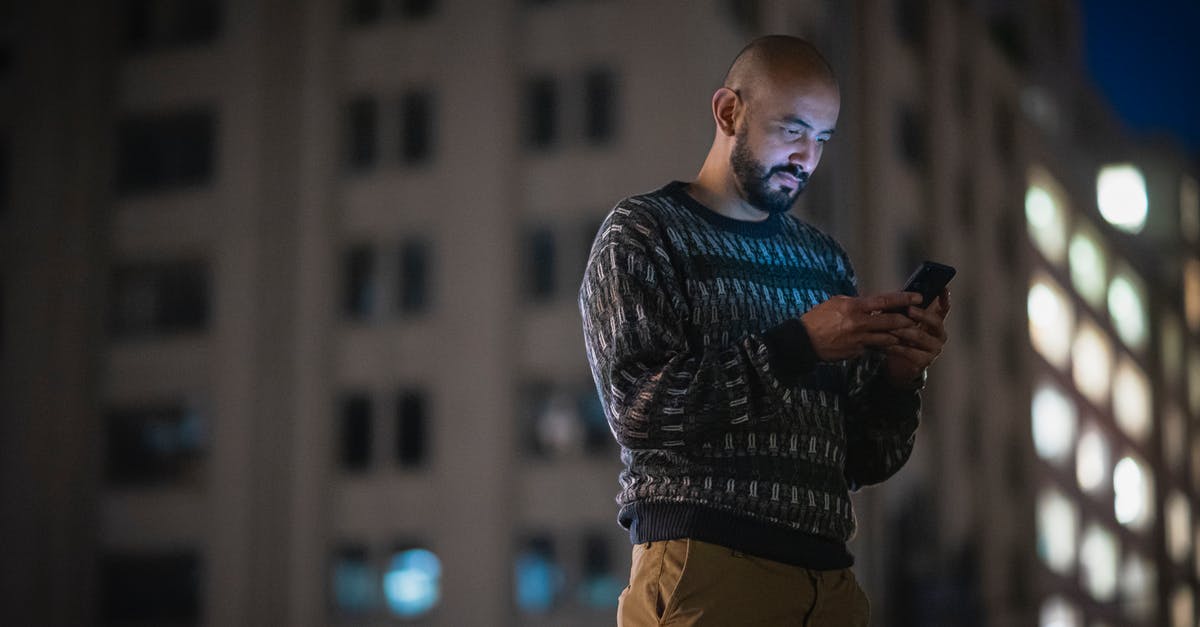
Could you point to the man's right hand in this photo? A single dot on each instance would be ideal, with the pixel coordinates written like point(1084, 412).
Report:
point(843, 327)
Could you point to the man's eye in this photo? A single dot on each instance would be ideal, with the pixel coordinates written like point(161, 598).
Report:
point(792, 131)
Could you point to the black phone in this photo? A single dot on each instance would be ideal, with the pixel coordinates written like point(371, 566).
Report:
point(929, 280)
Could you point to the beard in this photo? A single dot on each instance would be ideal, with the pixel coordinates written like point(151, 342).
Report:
point(753, 177)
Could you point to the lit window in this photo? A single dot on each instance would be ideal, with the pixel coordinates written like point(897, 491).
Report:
point(1131, 399)
point(1181, 607)
point(1121, 196)
point(1174, 438)
point(1125, 305)
point(1098, 560)
point(1138, 587)
point(1179, 526)
point(1133, 492)
point(1189, 209)
point(1191, 293)
point(412, 583)
point(353, 581)
point(1046, 222)
point(1051, 320)
point(1088, 268)
point(1057, 523)
point(538, 577)
point(1056, 612)
point(1092, 461)
point(1091, 363)
point(554, 425)
point(1054, 423)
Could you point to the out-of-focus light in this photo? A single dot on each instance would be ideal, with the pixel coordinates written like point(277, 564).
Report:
point(1091, 461)
point(538, 580)
point(1121, 196)
point(1056, 612)
point(1126, 306)
point(1182, 612)
point(1047, 223)
point(1054, 423)
point(1179, 526)
point(1089, 268)
point(1098, 561)
point(1191, 293)
point(1139, 587)
point(1189, 209)
point(1131, 399)
point(1057, 525)
point(1132, 493)
point(1091, 363)
point(1051, 320)
point(412, 584)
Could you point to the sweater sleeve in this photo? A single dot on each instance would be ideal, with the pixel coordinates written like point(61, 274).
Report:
point(661, 385)
point(881, 424)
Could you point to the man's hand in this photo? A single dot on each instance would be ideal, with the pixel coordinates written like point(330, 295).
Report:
point(919, 345)
point(843, 327)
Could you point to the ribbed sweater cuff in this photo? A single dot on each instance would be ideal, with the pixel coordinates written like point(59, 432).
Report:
point(789, 350)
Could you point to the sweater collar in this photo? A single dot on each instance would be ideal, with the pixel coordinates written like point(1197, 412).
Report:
point(764, 228)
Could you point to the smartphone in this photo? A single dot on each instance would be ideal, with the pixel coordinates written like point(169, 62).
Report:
point(929, 280)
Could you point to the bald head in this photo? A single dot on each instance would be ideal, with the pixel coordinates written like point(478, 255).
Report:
point(775, 60)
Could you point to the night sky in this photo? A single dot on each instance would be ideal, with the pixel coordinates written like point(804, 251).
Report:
point(1145, 59)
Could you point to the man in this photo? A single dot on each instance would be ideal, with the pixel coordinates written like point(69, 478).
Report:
point(749, 386)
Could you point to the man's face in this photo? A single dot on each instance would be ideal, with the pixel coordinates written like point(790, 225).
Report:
point(779, 144)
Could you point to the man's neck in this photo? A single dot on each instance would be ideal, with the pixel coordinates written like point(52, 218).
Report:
point(714, 188)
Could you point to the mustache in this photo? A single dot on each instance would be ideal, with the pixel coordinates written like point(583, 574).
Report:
point(794, 170)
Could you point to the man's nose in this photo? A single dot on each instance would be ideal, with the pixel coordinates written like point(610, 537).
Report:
point(805, 154)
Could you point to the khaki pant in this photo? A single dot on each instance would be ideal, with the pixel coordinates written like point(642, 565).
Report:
point(689, 582)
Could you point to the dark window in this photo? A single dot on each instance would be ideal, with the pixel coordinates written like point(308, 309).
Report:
point(159, 24)
point(159, 299)
point(415, 9)
point(414, 276)
point(966, 200)
point(353, 581)
point(600, 587)
point(361, 133)
point(746, 14)
point(910, 22)
point(411, 418)
point(597, 437)
point(912, 136)
point(416, 123)
point(965, 85)
point(156, 444)
point(356, 431)
point(4, 176)
point(360, 283)
point(1004, 130)
point(364, 12)
point(541, 112)
point(158, 152)
point(1009, 37)
point(540, 264)
point(600, 97)
point(151, 589)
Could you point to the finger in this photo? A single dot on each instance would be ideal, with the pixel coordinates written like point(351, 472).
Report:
point(891, 300)
point(919, 358)
point(880, 340)
point(941, 306)
point(918, 338)
point(886, 322)
point(930, 320)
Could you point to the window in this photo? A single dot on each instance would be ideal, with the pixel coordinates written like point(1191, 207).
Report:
point(1098, 554)
point(1126, 306)
point(154, 299)
point(168, 151)
point(361, 131)
point(1133, 493)
point(910, 22)
point(1139, 587)
point(358, 301)
point(156, 444)
point(367, 12)
point(353, 581)
point(1121, 196)
point(1191, 293)
point(541, 265)
point(412, 584)
point(1182, 611)
point(1047, 222)
point(356, 413)
point(414, 276)
point(1057, 528)
point(1051, 321)
point(600, 120)
point(551, 420)
point(1171, 345)
point(541, 112)
point(162, 24)
point(151, 588)
point(911, 136)
point(600, 586)
point(1058, 612)
point(597, 437)
point(538, 578)
point(1175, 439)
point(1132, 403)
point(411, 420)
point(1089, 271)
point(1054, 423)
point(1179, 526)
point(416, 127)
point(1092, 363)
point(1092, 460)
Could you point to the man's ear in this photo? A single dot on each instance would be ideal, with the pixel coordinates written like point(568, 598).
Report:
point(726, 105)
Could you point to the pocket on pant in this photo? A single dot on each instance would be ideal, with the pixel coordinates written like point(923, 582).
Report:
point(671, 575)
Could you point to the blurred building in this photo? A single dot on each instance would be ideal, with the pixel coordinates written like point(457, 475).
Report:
point(289, 325)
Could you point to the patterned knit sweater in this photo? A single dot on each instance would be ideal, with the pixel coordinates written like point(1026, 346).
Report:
point(731, 430)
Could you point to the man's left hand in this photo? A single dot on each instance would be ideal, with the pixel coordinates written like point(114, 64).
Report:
point(919, 345)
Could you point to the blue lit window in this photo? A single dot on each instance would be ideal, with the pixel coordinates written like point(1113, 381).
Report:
point(412, 583)
point(539, 578)
point(353, 581)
